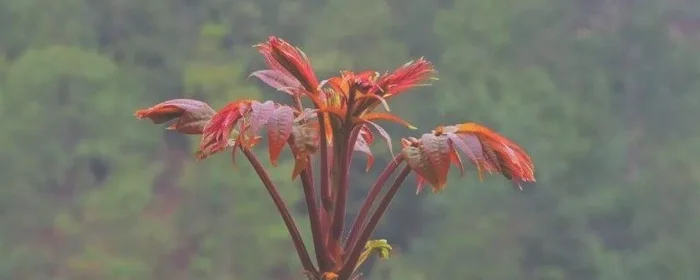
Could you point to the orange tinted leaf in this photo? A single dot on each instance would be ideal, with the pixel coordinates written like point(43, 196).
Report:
point(279, 128)
point(334, 111)
point(192, 115)
point(300, 163)
point(388, 117)
point(329, 276)
point(339, 85)
point(497, 153)
point(278, 80)
point(378, 98)
point(438, 152)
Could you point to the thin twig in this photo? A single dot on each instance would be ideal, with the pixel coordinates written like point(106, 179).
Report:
point(349, 265)
point(284, 211)
point(358, 224)
point(314, 217)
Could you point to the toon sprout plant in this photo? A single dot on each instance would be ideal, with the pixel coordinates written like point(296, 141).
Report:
point(340, 122)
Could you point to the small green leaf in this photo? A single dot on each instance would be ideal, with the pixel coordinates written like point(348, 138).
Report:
point(380, 246)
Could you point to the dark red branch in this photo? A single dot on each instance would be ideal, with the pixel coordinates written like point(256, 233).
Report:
point(314, 217)
point(284, 211)
point(356, 251)
point(359, 222)
point(342, 167)
point(326, 195)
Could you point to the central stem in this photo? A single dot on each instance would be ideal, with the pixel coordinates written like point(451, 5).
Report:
point(348, 135)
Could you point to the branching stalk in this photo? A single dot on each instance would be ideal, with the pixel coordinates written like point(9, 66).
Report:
point(314, 216)
point(284, 211)
point(359, 222)
point(356, 250)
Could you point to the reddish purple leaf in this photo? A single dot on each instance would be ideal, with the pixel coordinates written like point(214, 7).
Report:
point(419, 163)
point(384, 134)
point(260, 114)
point(498, 153)
point(279, 128)
point(471, 148)
point(192, 115)
point(278, 80)
point(437, 150)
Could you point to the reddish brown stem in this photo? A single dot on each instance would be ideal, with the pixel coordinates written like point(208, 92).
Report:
point(342, 168)
point(284, 211)
point(314, 217)
point(326, 196)
point(359, 222)
point(356, 251)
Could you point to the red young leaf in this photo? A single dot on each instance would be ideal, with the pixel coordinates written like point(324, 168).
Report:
point(407, 76)
point(497, 153)
point(420, 163)
point(282, 56)
point(306, 141)
point(437, 150)
point(259, 115)
point(278, 80)
point(216, 135)
point(192, 115)
point(362, 146)
point(366, 133)
point(279, 128)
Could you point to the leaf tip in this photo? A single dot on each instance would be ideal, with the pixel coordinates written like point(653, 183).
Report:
point(140, 114)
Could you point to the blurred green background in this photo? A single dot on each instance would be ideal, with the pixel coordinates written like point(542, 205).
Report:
point(603, 93)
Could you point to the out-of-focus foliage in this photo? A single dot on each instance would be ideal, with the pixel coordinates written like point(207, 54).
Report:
point(603, 94)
